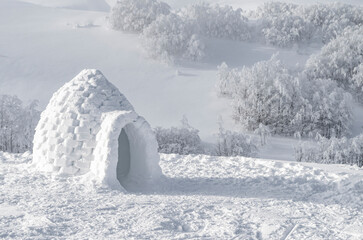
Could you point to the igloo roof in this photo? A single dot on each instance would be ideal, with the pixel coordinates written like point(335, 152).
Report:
point(66, 133)
point(88, 92)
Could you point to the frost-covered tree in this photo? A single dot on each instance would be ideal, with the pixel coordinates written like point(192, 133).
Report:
point(285, 30)
point(264, 94)
point(274, 9)
point(170, 37)
point(330, 20)
point(287, 103)
point(181, 140)
point(217, 21)
point(263, 132)
point(326, 109)
point(341, 60)
point(135, 15)
point(17, 124)
point(284, 24)
point(334, 150)
point(280, 25)
point(234, 144)
point(229, 78)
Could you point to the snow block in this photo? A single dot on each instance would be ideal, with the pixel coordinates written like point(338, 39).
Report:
point(60, 162)
point(71, 170)
point(83, 136)
point(83, 164)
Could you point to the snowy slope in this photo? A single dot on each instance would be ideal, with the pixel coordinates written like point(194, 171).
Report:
point(41, 48)
point(200, 198)
point(44, 44)
point(92, 5)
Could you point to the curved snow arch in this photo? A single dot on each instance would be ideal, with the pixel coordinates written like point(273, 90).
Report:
point(144, 158)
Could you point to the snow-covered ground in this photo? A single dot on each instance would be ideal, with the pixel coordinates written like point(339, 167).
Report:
point(44, 44)
point(200, 197)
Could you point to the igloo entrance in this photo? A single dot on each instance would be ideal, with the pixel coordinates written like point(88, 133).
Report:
point(124, 158)
point(133, 153)
point(126, 152)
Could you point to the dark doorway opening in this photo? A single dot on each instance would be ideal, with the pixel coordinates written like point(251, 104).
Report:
point(124, 157)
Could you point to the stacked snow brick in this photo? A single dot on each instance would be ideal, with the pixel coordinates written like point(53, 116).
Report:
point(65, 136)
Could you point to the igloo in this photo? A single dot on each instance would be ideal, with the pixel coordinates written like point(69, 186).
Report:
point(90, 127)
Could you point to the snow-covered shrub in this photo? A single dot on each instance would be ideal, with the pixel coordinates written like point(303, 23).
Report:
point(181, 140)
point(217, 21)
point(234, 144)
point(341, 60)
point(17, 124)
point(334, 150)
point(135, 15)
point(169, 37)
point(268, 93)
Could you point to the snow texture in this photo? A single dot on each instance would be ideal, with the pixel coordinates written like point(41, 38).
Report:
point(201, 197)
point(80, 127)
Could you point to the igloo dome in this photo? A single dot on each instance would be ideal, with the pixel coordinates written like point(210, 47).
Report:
point(89, 126)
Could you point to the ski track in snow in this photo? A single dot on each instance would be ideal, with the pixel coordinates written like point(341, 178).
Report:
point(200, 197)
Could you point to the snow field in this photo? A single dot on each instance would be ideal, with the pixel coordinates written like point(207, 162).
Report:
point(200, 197)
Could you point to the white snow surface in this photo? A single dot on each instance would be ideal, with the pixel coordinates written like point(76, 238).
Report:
point(200, 197)
point(45, 43)
point(92, 5)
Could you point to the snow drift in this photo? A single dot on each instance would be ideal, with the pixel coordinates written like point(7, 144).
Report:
point(89, 125)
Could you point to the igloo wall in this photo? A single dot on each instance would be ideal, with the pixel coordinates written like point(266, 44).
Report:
point(80, 127)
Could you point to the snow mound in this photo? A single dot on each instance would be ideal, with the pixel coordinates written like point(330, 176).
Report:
point(90, 5)
point(81, 126)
